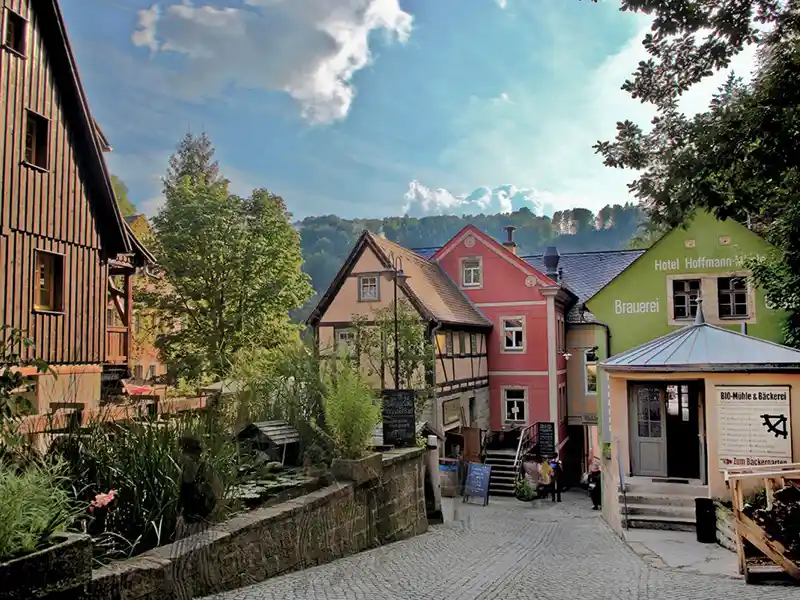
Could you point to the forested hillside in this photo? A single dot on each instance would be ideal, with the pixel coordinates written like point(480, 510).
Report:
point(327, 240)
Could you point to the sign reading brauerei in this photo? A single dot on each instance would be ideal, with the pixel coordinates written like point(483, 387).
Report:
point(399, 419)
point(754, 426)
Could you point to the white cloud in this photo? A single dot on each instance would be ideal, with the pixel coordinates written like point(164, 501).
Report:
point(543, 140)
point(421, 201)
point(309, 49)
point(502, 3)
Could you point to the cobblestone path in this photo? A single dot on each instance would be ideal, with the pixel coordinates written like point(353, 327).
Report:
point(509, 551)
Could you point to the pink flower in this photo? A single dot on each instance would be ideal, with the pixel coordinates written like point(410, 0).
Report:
point(101, 500)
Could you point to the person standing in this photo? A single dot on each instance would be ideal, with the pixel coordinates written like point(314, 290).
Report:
point(558, 479)
point(595, 491)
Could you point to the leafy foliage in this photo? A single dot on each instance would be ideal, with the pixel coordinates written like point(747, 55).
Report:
point(34, 505)
point(126, 207)
point(327, 240)
point(374, 346)
point(14, 385)
point(737, 159)
point(352, 410)
point(142, 462)
point(230, 265)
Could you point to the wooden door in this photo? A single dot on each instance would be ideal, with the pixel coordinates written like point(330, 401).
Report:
point(648, 431)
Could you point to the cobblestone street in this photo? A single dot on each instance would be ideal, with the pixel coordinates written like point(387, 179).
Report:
point(507, 550)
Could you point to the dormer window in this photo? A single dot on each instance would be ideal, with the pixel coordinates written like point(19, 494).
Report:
point(471, 275)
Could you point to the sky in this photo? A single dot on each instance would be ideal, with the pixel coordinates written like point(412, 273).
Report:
point(371, 108)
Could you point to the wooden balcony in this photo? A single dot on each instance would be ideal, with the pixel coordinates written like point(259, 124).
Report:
point(117, 345)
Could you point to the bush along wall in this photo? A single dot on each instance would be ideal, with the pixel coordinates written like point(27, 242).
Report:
point(340, 519)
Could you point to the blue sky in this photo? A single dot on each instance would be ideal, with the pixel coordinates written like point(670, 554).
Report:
point(369, 108)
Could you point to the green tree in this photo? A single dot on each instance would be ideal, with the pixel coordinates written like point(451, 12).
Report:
point(374, 346)
point(231, 268)
point(737, 159)
point(126, 207)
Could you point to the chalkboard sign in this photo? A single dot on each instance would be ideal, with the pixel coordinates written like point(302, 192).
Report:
point(399, 420)
point(476, 484)
point(546, 438)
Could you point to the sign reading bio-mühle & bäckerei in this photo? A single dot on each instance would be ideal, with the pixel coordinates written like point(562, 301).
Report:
point(754, 426)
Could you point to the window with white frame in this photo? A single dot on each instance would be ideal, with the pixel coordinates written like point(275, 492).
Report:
point(732, 297)
point(368, 288)
point(344, 340)
point(513, 334)
point(685, 293)
point(471, 272)
point(514, 400)
point(590, 370)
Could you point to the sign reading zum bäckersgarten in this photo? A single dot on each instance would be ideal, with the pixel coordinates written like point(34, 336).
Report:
point(754, 426)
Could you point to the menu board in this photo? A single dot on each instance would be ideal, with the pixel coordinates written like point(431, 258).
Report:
point(754, 426)
point(546, 438)
point(399, 419)
point(476, 484)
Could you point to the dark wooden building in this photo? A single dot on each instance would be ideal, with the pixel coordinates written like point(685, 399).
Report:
point(67, 255)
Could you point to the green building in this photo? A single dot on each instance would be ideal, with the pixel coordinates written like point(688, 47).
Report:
point(658, 292)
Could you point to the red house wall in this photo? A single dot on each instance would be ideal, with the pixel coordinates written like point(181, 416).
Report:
point(507, 290)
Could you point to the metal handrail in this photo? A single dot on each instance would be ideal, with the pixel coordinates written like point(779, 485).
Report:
point(521, 442)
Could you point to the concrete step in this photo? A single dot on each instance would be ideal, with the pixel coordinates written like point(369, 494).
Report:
point(654, 511)
point(667, 489)
point(657, 499)
point(502, 477)
point(668, 523)
point(499, 460)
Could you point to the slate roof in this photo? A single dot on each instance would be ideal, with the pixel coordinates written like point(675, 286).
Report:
point(702, 347)
point(433, 287)
point(586, 273)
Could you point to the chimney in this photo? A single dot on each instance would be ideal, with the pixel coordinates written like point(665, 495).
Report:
point(510, 244)
point(551, 258)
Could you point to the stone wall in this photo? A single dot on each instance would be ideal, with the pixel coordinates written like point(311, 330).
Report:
point(726, 526)
point(337, 520)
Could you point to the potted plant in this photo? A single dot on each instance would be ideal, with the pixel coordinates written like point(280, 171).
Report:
point(352, 411)
point(37, 555)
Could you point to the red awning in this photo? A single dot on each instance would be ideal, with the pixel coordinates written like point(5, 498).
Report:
point(139, 390)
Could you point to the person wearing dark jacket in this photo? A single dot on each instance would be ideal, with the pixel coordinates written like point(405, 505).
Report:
point(558, 479)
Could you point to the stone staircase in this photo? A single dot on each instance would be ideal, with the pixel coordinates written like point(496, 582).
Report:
point(661, 503)
point(503, 474)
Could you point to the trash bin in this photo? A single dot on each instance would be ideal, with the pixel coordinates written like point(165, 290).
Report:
point(706, 518)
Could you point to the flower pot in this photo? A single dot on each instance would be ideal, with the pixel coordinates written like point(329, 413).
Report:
point(65, 564)
point(358, 470)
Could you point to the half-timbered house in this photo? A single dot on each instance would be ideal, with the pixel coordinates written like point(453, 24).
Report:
point(457, 330)
point(65, 250)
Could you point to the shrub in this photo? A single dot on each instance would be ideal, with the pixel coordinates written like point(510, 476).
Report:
point(34, 505)
point(141, 462)
point(351, 409)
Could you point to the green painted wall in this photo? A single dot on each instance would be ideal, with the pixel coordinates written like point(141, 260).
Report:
point(635, 304)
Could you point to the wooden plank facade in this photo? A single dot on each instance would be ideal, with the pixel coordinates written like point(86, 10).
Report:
point(62, 237)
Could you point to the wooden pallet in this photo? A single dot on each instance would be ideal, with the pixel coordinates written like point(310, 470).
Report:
point(754, 567)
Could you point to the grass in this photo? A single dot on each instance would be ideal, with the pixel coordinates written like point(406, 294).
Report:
point(34, 505)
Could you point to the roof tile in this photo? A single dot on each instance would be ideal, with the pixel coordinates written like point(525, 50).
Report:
point(433, 287)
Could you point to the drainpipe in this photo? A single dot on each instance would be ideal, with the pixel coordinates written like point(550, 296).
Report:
point(608, 336)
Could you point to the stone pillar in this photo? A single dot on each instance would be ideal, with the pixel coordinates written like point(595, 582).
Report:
point(432, 459)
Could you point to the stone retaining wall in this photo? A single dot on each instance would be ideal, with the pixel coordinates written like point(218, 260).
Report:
point(726, 527)
point(330, 523)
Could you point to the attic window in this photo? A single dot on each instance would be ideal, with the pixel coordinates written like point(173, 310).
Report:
point(15, 33)
point(471, 272)
point(37, 138)
point(368, 288)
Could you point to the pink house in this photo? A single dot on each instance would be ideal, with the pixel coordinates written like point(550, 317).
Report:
point(527, 367)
